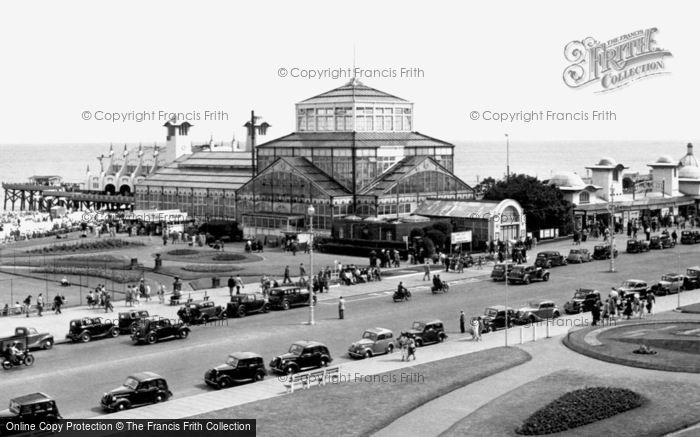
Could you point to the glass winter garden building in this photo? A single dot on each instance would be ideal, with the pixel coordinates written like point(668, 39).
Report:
point(353, 154)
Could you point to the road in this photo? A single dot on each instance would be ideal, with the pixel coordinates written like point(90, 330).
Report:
point(78, 374)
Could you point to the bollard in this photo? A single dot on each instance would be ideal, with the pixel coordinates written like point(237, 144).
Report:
point(521, 335)
point(547, 329)
point(534, 332)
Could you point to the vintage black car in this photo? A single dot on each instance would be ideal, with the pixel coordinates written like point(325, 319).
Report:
point(139, 389)
point(499, 270)
point(427, 332)
point(637, 246)
point(33, 409)
point(194, 313)
point(287, 297)
point(549, 259)
point(584, 299)
point(537, 311)
point(247, 303)
point(495, 318)
point(690, 237)
point(302, 355)
point(670, 283)
point(692, 278)
point(667, 242)
point(152, 330)
point(128, 321)
point(527, 274)
point(239, 367)
point(87, 328)
point(604, 252)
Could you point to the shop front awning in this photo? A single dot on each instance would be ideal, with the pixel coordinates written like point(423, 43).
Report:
point(637, 204)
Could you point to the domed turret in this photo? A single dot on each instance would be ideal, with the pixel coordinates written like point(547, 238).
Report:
point(689, 159)
point(567, 179)
point(689, 172)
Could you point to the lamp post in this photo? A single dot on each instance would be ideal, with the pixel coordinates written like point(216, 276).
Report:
point(311, 212)
point(507, 158)
point(611, 228)
point(507, 321)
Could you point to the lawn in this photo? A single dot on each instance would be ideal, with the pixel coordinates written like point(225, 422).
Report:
point(363, 408)
point(670, 406)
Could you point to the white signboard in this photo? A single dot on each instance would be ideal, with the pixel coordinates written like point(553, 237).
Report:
point(461, 237)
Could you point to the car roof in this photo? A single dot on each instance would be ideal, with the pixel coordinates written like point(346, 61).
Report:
point(145, 376)
point(694, 268)
point(244, 355)
point(32, 398)
point(672, 274)
point(634, 280)
point(378, 330)
point(307, 343)
point(588, 290)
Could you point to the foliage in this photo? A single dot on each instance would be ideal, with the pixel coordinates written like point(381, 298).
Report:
point(106, 244)
point(417, 232)
point(544, 205)
point(428, 247)
point(437, 237)
point(485, 185)
point(228, 257)
point(580, 407)
point(209, 268)
point(120, 276)
point(182, 252)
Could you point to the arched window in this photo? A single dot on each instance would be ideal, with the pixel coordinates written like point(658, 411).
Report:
point(584, 197)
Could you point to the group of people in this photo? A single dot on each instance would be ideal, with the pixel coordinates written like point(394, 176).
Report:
point(457, 263)
point(407, 344)
point(352, 274)
point(100, 298)
point(476, 326)
point(134, 293)
point(386, 258)
point(518, 253)
point(628, 307)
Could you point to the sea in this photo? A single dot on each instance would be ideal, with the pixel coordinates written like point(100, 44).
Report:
point(474, 160)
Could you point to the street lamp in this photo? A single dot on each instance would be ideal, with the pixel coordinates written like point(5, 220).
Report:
point(506, 282)
point(611, 228)
point(507, 158)
point(311, 211)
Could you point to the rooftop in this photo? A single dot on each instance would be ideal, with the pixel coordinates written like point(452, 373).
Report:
point(354, 91)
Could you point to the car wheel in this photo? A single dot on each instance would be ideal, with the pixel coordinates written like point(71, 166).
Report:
point(527, 280)
point(266, 308)
point(224, 382)
point(545, 278)
point(368, 354)
point(555, 314)
point(241, 311)
point(441, 338)
point(28, 360)
point(47, 344)
point(6, 365)
point(151, 338)
point(133, 328)
point(85, 337)
point(419, 342)
point(159, 398)
point(390, 349)
point(205, 319)
point(183, 333)
point(259, 376)
point(324, 362)
point(289, 370)
point(114, 332)
point(285, 305)
point(121, 406)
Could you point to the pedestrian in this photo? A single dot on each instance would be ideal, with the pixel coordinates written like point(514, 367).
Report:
point(651, 299)
point(239, 284)
point(426, 271)
point(480, 328)
point(595, 313)
point(403, 344)
point(27, 304)
point(628, 308)
point(606, 312)
point(461, 322)
point(286, 279)
point(108, 303)
point(411, 349)
point(341, 308)
point(475, 329)
point(161, 293)
point(231, 284)
point(57, 302)
point(480, 263)
point(39, 304)
point(302, 273)
point(674, 236)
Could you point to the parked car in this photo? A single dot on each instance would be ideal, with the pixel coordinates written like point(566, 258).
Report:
point(87, 328)
point(692, 278)
point(583, 301)
point(34, 408)
point(287, 297)
point(637, 246)
point(239, 367)
point(495, 318)
point(604, 252)
point(247, 303)
point(667, 242)
point(427, 332)
point(549, 259)
point(670, 283)
point(632, 286)
point(152, 330)
point(139, 389)
point(499, 270)
point(374, 341)
point(690, 237)
point(194, 313)
point(29, 336)
point(526, 274)
point(302, 355)
point(578, 256)
point(537, 311)
point(128, 321)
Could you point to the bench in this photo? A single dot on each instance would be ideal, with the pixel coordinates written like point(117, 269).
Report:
point(307, 378)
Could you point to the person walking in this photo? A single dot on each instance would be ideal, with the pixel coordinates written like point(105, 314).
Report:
point(411, 349)
point(426, 271)
point(286, 279)
point(27, 304)
point(595, 313)
point(161, 293)
point(462, 318)
point(231, 284)
point(302, 273)
point(475, 329)
point(239, 284)
point(57, 302)
point(341, 308)
point(39, 304)
point(651, 300)
point(108, 302)
point(403, 344)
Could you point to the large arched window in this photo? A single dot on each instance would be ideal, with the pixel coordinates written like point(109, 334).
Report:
point(584, 197)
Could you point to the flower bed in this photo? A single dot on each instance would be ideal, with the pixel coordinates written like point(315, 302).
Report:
point(228, 257)
point(209, 268)
point(182, 252)
point(120, 276)
point(580, 407)
point(105, 244)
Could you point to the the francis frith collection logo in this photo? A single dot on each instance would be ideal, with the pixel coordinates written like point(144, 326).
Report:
point(614, 63)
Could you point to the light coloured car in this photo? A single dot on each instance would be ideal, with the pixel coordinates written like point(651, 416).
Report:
point(670, 283)
point(578, 256)
point(374, 341)
point(538, 311)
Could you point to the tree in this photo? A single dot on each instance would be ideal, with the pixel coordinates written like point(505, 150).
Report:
point(485, 185)
point(543, 204)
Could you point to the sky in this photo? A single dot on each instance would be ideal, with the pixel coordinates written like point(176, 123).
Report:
point(61, 59)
